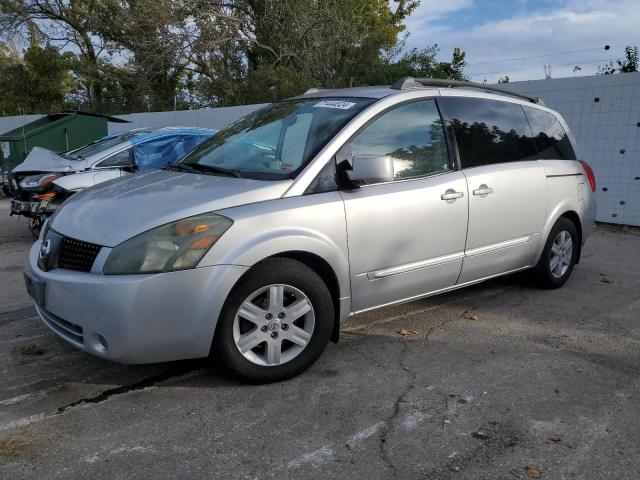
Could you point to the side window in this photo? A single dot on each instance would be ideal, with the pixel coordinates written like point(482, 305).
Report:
point(489, 131)
point(120, 159)
point(163, 151)
point(551, 140)
point(325, 181)
point(411, 134)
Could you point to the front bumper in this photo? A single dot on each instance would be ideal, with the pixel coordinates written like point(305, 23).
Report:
point(33, 208)
point(135, 318)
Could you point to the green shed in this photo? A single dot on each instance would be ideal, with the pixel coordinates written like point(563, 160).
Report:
point(57, 132)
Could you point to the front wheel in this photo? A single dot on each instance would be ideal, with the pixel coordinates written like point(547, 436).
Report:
point(35, 226)
point(275, 324)
point(559, 255)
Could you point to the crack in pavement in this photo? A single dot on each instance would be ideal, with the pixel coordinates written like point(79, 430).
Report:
point(388, 423)
point(15, 315)
point(176, 371)
point(438, 326)
point(173, 372)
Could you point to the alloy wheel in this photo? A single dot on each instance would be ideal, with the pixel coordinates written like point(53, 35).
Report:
point(273, 325)
point(561, 254)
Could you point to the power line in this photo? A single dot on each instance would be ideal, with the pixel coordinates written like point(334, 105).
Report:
point(533, 67)
point(552, 54)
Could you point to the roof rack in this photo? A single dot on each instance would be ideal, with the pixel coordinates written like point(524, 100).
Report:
point(410, 82)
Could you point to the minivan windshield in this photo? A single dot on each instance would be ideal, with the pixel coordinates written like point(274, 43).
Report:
point(100, 145)
point(275, 142)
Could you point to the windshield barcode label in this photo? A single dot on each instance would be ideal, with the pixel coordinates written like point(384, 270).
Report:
point(339, 104)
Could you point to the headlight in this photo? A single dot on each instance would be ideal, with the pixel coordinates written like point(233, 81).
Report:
point(175, 246)
point(36, 182)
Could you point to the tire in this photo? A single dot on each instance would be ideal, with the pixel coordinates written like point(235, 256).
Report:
point(35, 225)
point(556, 262)
point(251, 298)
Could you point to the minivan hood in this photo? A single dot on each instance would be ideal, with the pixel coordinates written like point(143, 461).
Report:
point(114, 211)
point(43, 160)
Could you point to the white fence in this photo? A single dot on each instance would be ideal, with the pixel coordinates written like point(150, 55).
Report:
point(603, 112)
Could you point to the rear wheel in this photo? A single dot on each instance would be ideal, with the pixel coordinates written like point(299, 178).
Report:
point(275, 324)
point(559, 255)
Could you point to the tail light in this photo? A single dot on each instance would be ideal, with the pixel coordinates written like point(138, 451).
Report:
point(590, 176)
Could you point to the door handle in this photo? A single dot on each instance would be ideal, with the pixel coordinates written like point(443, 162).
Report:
point(483, 190)
point(451, 195)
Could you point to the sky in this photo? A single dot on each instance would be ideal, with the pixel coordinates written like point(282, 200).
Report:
point(500, 37)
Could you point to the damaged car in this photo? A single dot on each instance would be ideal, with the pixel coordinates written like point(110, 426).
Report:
point(45, 179)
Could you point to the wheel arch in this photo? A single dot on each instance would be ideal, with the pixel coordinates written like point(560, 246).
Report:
point(568, 211)
point(575, 219)
point(324, 270)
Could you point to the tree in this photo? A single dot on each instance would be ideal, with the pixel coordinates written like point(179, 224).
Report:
point(504, 79)
point(415, 63)
point(37, 81)
point(133, 55)
point(625, 65)
point(68, 23)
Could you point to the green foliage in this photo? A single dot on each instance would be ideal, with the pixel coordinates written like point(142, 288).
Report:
point(136, 55)
point(37, 81)
point(625, 65)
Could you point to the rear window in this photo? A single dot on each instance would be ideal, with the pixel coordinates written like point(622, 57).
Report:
point(551, 139)
point(489, 131)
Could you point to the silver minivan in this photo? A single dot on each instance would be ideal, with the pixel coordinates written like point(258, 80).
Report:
point(255, 247)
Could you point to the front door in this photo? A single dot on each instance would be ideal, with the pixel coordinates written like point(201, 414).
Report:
point(406, 237)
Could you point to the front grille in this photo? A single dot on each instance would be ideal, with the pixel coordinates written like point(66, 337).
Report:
point(77, 255)
point(64, 328)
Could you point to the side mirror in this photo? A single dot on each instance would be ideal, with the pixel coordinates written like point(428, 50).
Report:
point(367, 169)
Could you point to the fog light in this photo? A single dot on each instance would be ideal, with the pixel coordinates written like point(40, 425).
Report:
point(101, 344)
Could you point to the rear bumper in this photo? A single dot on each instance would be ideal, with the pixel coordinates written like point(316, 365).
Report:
point(136, 318)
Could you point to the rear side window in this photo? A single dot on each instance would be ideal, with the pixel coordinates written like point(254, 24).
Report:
point(551, 139)
point(489, 131)
point(123, 158)
point(412, 135)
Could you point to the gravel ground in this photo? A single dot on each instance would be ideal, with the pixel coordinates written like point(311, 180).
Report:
point(497, 381)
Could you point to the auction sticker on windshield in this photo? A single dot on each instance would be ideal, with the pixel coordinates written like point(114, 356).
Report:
point(339, 104)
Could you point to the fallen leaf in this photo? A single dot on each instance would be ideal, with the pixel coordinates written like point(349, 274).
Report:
point(351, 445)
point(468, 316)
point(555, 437)
point(14, 446)
point(408, 333)
point(533, 471)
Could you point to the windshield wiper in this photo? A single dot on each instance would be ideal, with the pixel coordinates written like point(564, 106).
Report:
point(180, 167)
point(210, 168)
